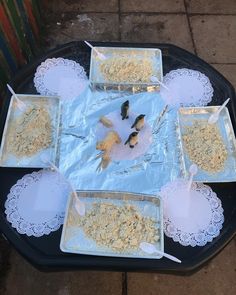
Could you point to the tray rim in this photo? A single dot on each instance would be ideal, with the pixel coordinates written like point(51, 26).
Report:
point(183, 162)
point(110, 255)
point(57, 130)
point(124, 84)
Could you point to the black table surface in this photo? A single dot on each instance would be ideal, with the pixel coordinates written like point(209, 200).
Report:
point(44, 252)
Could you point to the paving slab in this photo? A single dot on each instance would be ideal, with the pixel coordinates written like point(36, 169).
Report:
point(217, 278)
point(25, 279)
point(211, 6)
point(152, 6)
point(64, 6)
point(215, 37)
point(227, 70)
point(166, 28)
point(92, 26)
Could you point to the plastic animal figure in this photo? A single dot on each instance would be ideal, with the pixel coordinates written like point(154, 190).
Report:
point(139, 122)
point(106, 145)
point(132, 140)
point(125, 110)
point(106, 122)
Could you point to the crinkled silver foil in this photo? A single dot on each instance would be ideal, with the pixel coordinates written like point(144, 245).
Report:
point(146, 174)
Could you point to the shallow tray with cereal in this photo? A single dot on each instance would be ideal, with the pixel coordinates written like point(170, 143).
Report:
point(211, 146)
point(31, 133)
point(129, 69)
point(115, 224)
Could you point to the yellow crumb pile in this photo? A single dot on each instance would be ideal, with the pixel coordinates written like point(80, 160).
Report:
point(118, 227)
point(205, 146)
point(30, 133)
point(127, 69)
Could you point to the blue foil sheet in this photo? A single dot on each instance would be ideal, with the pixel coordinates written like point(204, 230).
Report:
point(146, 174)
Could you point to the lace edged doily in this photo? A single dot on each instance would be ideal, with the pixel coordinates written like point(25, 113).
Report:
point(59, 76)
point(193, 231)
point(187, 88)
point(36, 204)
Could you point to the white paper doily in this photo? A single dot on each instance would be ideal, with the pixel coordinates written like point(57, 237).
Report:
point(187, 88)
point(59, 76)
point(36, 204)
point(123, 128)
point(205, 214)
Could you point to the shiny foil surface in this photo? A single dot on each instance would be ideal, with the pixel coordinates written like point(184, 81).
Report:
point(145, 174)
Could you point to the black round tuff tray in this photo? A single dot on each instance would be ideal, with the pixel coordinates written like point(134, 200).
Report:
point(44, 252)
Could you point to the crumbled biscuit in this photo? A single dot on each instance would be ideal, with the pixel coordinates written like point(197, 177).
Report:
point(205, 146)
point(30, 133)
point(120, 228)
point(127, 69)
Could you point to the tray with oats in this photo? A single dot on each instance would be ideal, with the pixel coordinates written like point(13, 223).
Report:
point(115, 224)
point(31, 132)
point(122, 68)
point(211, 146)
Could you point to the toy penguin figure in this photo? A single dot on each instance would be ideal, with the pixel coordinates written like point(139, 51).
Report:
point(138, 123)
point(125, 110)
point(132, 140)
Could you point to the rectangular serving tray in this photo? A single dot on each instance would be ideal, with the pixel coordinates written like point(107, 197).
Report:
point(186, 116)
point(98, 81)
point(53, 105)
point(73, 240)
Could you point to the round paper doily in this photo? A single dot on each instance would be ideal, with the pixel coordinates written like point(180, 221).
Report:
point(205, 213)
point(36, 204)
point(59, 76)
point(187, 88)
point(123, 128)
